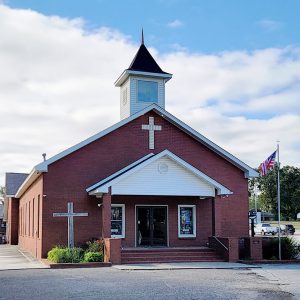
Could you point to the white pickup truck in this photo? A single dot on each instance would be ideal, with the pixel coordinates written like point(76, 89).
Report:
point(265, 228)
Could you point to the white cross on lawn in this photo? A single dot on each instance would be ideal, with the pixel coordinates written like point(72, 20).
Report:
point(70, 214)
point(151, 127)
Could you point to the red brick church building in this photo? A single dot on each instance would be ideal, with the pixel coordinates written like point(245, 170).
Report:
point(148, 182)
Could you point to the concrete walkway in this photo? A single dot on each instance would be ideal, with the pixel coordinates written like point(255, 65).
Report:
point(13, 258)
point(185, 265)
point(287, 276)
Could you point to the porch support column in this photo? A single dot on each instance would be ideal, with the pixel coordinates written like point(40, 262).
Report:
point(217, 216)
point(106, 215)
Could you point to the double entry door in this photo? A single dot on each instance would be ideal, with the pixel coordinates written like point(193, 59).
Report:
point(151, 226)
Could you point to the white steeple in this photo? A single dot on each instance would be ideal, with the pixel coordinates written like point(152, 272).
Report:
point(142, 84)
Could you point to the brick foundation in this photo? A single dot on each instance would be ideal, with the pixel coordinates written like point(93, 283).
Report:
point(112, 250)
point(231, 254)
point(254, 247)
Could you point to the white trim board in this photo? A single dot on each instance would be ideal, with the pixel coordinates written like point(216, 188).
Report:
point(124, 76)
point(104, 185)
point(43, 166)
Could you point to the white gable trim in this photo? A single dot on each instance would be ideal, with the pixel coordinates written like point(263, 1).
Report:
point(104, 185)
point(249, 172)
point(43, 166)
point(124, 76)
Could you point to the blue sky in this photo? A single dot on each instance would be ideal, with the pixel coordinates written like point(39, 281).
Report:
point(205, 26)
point(235, 66)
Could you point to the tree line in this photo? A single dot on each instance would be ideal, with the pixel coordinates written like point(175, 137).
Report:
point(266, 192)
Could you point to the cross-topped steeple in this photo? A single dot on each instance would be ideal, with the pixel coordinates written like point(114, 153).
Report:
point(142, 84)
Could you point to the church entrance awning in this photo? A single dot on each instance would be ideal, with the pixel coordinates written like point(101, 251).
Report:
point(159, 174)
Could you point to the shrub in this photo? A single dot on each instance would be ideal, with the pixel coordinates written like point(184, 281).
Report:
point(76, 254)
point(65, 255)
point(56, 254)
point(289, 248)
point(93, 256)
point(94, 246)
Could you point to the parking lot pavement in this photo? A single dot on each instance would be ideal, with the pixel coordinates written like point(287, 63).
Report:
point(13, 258)
point(287, 276)
point(296, 236)
point(111, 283)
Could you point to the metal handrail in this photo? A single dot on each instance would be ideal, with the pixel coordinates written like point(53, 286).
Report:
point(220, 243)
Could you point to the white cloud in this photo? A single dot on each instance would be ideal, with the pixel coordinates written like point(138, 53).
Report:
point(178, 48)
point(175, 24)
point(269, 25)
point(57, 89)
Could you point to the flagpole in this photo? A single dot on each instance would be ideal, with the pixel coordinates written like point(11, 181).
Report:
point(278, 202)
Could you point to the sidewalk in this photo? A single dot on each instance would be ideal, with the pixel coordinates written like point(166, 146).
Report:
point(185, 265)
point(13, 258)
point(287, 276)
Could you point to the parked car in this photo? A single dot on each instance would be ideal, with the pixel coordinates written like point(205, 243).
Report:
point(287, 229)
point(265, 228)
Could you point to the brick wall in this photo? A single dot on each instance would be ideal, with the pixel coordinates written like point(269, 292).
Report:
point(68, 178)
point(12, 221)
point(30, 218)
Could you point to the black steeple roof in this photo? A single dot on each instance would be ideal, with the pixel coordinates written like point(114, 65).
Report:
point(144, 62)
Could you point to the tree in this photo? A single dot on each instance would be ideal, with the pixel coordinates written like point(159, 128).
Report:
point(289, 191)
point(2, 191)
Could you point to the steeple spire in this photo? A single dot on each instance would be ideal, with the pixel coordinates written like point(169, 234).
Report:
point(142, 40)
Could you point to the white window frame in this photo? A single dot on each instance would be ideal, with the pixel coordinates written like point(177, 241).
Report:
point(123, 221)
point(194, 222)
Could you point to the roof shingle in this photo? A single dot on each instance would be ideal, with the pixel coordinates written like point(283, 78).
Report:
point(13, 181)
point(144, 62)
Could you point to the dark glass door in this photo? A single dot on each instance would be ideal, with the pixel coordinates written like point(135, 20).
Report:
point(151, 226)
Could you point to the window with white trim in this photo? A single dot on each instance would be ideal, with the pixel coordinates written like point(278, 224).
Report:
point(118, 220)
point(147, 91)
point(186, 221)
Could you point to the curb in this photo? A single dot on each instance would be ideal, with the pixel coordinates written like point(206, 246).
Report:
point(269, 261)
point(76, 265)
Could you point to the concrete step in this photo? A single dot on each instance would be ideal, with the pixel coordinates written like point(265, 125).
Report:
point(171, 254)
point(161, 255)
point(147, 260)
point(168, 250)
point(186, 258)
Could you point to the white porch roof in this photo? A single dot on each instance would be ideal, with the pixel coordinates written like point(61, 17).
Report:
point(161, 174)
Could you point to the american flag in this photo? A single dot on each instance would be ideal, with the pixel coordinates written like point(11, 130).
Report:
point(268, 164)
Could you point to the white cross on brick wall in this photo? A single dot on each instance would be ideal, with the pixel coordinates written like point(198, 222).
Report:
point(151, 127)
